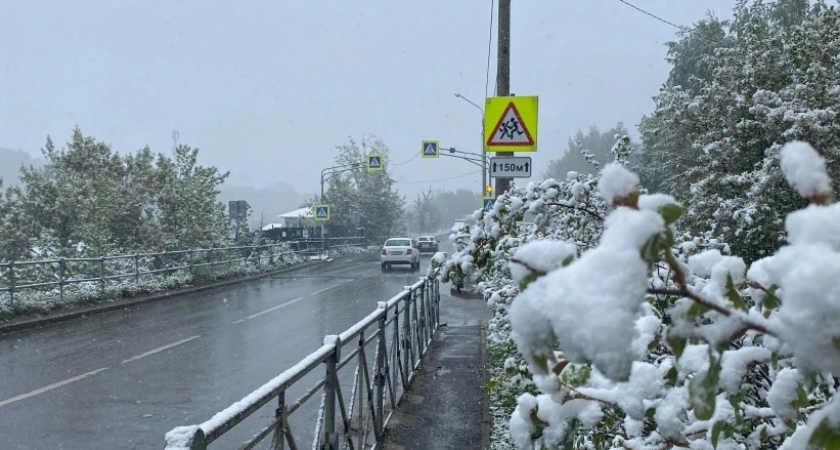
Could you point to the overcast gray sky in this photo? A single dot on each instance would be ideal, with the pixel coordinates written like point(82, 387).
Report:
point(267, 88)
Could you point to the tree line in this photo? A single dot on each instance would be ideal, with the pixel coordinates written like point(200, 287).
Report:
point(87, 200)
point(738, 89)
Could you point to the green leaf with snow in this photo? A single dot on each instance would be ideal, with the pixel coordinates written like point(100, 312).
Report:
point(716, 429)
point(771, 301)
point(825, 436)
point(762, 435)
point(650, 249)
point(802, 398)
point(568, 260)
point(676, 343)
point(671, 213)
point(696, 309)
point(733, 295)
point(671, 376)
point(576, 375)
point(735, 402)
point(530, 278)
point(702, 391)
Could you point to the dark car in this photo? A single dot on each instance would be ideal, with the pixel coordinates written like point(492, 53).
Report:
point(427, 244)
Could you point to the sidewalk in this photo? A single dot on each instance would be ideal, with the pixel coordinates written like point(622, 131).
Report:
point(445, 406)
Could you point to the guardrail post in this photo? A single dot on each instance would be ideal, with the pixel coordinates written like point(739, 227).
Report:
point(259, 258)
point(278, 439)
point(418, 333)
point(430, 290)
point(61, 280)
point(406, 340)
point(436, 301)
point(381, 370)
point(190, 261)
point(192, 436)
point(163, 263)
point(101, 274)
point(136, 268)
point(12, 283)
point(331, 389)
point(424, 332)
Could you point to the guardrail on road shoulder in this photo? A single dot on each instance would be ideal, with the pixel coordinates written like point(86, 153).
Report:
point(53, 277)
point(410, 319)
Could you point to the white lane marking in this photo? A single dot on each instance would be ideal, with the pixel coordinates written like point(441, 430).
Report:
point(51, 387)
point(160, 349)
point(269, 310)
point(331, 287)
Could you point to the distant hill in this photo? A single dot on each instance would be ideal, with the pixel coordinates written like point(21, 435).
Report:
point(10, 162)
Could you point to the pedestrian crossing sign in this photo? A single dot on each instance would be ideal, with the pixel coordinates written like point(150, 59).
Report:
point(430, 149)
point(375, 163)
point(322, 212)
point(487, 203)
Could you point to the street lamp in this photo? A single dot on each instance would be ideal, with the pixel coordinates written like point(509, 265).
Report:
point(483, 154)
point(336, 170)
point(331, 171)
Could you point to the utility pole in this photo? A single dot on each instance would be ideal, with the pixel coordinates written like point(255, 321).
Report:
point(503, 75)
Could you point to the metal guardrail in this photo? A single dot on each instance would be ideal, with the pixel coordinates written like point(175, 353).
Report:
point(16, 276)
point(400, 332)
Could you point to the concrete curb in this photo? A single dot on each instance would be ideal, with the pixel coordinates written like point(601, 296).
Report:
point(466, 294)
point(486, 420)
point(78, 311)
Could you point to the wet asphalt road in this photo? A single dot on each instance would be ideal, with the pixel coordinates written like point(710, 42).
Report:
point(122, 379)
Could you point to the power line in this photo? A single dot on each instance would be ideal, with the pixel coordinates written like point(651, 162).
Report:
point(406, 162)
point(439, 179)
point(489, 48)
point(654, 15)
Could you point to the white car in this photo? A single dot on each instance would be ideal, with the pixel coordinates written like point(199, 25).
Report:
point(401, 250)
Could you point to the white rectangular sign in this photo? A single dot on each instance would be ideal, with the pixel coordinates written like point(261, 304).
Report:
point(511, 167)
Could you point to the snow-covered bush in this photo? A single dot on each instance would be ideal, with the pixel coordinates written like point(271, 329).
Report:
point(566, 214)
point(738, 91)
point(153, 273)
point(636, 340)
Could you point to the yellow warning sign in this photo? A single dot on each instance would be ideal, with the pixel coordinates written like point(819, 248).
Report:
point(510, 124)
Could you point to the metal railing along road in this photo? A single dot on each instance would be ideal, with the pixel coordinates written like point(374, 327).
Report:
point(387, 347)
point(16, 276)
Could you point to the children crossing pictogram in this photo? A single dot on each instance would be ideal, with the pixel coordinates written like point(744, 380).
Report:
point(511, 130)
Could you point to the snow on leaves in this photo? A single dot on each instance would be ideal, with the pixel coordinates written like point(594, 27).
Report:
point(639, 338)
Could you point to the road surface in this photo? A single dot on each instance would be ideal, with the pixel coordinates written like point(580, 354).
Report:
point(122, 379)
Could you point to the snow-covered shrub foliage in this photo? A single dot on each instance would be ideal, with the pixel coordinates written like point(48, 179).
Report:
point(122, 278)
point(633, 344)
point(738, 91)
point(568, 217)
